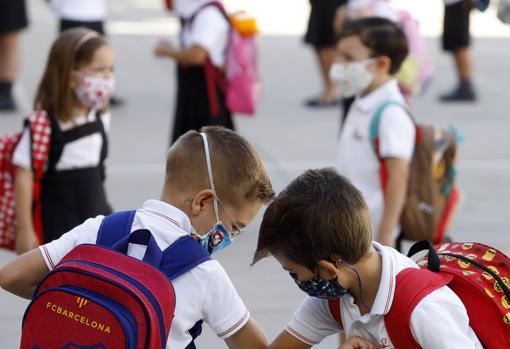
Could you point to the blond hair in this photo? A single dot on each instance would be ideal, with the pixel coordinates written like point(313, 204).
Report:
point(238, 172)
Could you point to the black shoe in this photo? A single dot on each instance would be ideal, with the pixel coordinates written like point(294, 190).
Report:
point(7, 104)
point(317, 103)
point(116, 101)
point(463, 93)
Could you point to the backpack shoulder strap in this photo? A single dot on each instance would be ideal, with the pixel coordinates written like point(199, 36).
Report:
point(334, 308)
point(114, 227)
point(412, 286)
point(38, 123)
point(182, 256)
point(216, 4)
point(376, 121)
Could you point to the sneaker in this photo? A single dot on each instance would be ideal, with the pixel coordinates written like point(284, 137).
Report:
point(7, 104)
point(463, 93)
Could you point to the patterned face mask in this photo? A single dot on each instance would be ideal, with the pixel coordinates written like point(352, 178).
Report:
point(320, 288)
point(219, 236)
point(95, 92)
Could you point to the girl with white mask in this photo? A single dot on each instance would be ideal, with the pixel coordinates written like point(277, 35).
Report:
point(204, 36)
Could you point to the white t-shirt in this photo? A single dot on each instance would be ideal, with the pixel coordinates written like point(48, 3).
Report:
point(356, 158)
point(80, 10)
point(210, 31)
point(371, 8)
point(439, 321)
point(82, 153)
point(204, 293)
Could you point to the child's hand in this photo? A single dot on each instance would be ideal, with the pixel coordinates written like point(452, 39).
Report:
point(26, 241)
point(163, 48)
point(358, 343)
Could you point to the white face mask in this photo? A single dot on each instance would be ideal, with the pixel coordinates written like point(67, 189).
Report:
point(95, 92)
point(352, 78)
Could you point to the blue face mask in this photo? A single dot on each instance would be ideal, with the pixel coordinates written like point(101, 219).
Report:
point(216, 239)
point(320, 288)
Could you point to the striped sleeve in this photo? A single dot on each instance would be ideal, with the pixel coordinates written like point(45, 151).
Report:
point(223, 309)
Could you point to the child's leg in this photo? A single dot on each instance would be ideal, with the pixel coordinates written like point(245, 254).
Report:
point(326, 57)
point(9, 66)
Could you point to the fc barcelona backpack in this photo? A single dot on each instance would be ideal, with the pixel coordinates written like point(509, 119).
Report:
point(98, 297)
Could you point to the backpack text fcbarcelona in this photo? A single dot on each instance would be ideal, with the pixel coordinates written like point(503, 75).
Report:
point(98, 296)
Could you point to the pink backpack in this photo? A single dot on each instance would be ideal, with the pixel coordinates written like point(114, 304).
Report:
point(242, 80)
point(417, 69)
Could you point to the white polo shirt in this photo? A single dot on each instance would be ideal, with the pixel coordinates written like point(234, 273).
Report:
point(210, 31)
point(81, 153)
point(439, 321)
point(356, 158)
point(204, 293)
point(80, 10)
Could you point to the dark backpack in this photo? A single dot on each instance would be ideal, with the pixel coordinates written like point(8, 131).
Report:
point(98, 297)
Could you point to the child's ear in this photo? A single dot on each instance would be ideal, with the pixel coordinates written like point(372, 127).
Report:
point(327, 270)
point(201, 200)
point(384, 63)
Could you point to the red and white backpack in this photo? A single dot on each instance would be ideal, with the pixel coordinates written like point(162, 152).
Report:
point(478, 274)
point(40, 132)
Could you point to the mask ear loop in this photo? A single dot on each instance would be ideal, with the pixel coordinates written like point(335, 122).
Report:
point(210, 173)
point(360, 284)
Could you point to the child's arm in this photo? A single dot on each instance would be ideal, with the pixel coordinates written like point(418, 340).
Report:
point(394, 199)
point(22, 275)
point(250, 336)
point(340, 19)
point(26, 239)
point(193, 56)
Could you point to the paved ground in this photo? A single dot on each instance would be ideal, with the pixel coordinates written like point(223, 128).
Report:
point(289, 137)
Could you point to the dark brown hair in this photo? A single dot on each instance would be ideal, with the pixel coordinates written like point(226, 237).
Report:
point(73, 49)
point(319, 215)
point(238, 171)
point(381, 36)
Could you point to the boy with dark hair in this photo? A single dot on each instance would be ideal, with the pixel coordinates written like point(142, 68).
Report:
point(318, 228)
point(214, 178)
point(369, 52)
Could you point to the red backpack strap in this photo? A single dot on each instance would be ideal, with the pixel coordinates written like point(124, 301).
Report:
point(40, 141)
point(412, 286)
point(375, 140)
point(213, 76)
point(216, 4)
point(334, 308)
